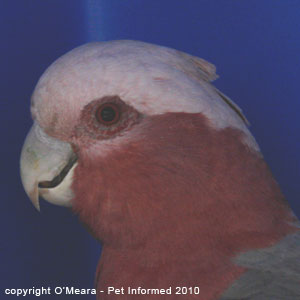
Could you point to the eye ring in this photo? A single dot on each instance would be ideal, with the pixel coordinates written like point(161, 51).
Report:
point(108, 114)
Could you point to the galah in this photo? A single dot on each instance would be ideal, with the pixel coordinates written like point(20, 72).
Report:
point(161, 167)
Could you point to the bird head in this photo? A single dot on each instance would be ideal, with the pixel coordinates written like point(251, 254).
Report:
point(129, 133)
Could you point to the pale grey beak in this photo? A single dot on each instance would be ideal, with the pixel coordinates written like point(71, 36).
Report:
point(47, 166)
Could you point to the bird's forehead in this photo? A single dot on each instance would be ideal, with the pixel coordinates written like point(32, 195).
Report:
point(152, 79)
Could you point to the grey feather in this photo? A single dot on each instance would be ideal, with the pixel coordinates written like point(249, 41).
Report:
point(273, 273)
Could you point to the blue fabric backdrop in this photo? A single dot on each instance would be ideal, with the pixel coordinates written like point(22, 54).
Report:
point(255, 45)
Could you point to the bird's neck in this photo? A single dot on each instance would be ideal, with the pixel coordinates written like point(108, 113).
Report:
point(164, 266)
point(178, 204)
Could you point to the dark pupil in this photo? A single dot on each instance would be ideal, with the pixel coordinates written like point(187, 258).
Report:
point(108, 114)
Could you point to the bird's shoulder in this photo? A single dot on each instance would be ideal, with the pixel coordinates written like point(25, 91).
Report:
point(272, 273)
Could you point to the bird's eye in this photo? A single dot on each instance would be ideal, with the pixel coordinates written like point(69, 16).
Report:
point(108, 114)
point(106, 118)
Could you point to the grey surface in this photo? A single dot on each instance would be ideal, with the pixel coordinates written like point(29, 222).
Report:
point(273, 273)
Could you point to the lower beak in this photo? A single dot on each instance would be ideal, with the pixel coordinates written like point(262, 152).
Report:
point(47, 166)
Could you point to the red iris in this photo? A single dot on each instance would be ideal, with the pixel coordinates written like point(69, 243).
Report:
point(108, 114)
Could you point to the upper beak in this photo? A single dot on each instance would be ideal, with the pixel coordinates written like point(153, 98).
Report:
point(47, 167)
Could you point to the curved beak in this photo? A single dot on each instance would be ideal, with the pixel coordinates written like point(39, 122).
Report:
point(47, 166)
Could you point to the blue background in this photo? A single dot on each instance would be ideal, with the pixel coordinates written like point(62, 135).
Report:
point(255, 45)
